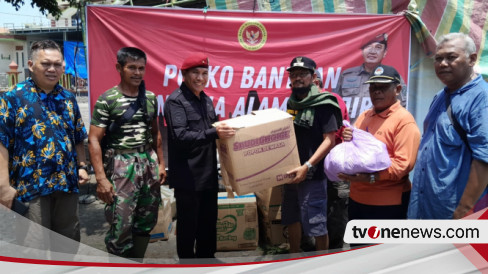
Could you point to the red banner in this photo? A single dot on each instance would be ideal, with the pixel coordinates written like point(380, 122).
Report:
point(248, 52)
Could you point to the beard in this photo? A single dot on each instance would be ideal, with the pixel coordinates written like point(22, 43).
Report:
point(300, 92)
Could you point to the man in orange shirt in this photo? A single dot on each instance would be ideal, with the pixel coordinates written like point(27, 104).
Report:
point(385, 194)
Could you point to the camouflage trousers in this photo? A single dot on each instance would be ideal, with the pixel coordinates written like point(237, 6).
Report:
point(137, 197)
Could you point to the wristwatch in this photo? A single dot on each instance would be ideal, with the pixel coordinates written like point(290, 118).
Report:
point(372, 178)
point(309, 165)
point(85, 167)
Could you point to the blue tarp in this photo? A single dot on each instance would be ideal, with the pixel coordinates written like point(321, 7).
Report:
point(74, 57)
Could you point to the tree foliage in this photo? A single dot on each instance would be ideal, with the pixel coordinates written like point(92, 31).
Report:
point(45, 6)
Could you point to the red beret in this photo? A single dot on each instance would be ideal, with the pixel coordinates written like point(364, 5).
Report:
point(380, 38)
point(198, 59)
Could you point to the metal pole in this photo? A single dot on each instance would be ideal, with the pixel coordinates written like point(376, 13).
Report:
point(177, 3)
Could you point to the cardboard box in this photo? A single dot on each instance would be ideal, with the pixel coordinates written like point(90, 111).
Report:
point(269, 202)
point(262, 151)
point(169, 193)
point(163, 227)
point(277, 233)
point(237, 223)
point(269, 206)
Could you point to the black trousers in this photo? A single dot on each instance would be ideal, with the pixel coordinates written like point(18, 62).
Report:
point(337, 212)
point(359, 211)
point(196, 223)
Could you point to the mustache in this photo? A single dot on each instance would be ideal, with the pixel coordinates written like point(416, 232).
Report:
point(296, 82)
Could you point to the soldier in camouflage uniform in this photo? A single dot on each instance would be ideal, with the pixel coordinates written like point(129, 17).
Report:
point(135, 169)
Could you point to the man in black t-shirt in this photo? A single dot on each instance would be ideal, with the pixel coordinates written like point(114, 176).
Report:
point(317, 117)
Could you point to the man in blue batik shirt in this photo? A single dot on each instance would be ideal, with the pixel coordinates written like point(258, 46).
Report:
point(42, 156)
point(451, 174)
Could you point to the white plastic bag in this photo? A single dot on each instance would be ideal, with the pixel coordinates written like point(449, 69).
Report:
point(363, 154)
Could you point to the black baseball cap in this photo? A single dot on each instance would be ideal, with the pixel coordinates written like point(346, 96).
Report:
point(384, 74)
point(302, 62)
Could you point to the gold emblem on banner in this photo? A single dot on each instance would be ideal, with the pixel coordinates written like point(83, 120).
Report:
point(252, 35)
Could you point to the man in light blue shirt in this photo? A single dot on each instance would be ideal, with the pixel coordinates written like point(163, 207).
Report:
point(451, 173)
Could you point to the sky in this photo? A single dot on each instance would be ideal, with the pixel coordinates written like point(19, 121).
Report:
point(25, 15)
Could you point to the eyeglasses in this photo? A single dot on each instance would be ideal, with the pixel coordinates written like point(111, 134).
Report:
point(301, 74)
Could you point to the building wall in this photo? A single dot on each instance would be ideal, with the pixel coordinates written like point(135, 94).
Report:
point(66, 19)
point(16, 51)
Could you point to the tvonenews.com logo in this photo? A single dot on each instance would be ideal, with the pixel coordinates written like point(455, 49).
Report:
point(373, 232)
point(416, 231)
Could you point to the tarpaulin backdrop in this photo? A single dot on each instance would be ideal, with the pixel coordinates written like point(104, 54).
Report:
point(74, 56)
point(248, 52)
point(429, 18)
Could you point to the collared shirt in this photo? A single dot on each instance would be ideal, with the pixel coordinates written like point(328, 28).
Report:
point(444, 160)
point(192, 151)
point(396, 128)
point(40, 132)
point(111, 106)
point(355, 93)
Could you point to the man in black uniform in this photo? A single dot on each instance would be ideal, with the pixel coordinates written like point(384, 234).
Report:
point(189, 114)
